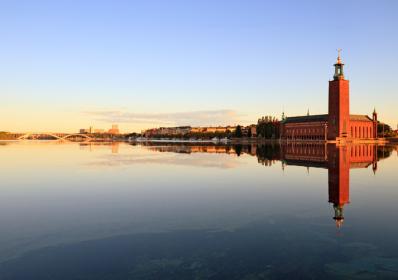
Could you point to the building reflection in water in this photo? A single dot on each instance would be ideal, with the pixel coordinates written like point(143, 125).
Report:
point(92, 146)
point(338, 160)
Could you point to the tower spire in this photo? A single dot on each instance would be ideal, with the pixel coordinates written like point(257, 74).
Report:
point(339, 56)
point(338, 67)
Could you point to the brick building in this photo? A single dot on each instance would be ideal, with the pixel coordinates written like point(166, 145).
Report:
point(338, 124)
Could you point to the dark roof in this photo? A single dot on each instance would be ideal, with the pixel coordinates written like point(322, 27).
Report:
point(307, 163)
point(311, 118)
point(360, 118)
point(323, 118)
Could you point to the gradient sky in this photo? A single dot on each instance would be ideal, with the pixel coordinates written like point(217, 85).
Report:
point(66, 65)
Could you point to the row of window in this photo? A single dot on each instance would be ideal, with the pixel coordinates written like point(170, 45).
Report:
point(306, 152)
point(360, 151)
point(298, 131)
point(318, 133)
point(361, 132)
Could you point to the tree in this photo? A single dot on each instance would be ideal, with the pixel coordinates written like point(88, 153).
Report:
point(238, 132)
point(383, 129)
point(268, 127)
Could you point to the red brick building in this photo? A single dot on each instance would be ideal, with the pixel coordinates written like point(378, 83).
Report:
point(338, 124)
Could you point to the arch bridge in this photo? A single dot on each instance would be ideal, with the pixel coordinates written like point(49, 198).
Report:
point(56, 136)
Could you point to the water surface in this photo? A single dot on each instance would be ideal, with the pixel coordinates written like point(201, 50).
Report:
point(121, 211)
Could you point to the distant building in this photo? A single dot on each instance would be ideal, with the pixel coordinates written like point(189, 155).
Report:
point(86, 130)
point(213, 129)
point(338, 124)
point(167, 131)
point(253, 130)
point(184, 130)
point(114, 130)
point(91, 130)
point(99, 131)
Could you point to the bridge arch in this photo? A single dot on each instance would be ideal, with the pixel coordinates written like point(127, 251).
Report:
point(76, 135)
point(56, 136)
point(27, 135)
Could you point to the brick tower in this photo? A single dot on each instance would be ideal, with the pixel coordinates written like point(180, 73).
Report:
point(339, 104)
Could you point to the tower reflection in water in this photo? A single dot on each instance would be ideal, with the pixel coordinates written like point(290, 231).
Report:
point(338, 160)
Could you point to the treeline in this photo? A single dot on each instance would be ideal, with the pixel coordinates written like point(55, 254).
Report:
point(268, 127)
point(384, 130)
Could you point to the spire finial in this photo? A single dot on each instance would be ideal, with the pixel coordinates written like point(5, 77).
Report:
point(339, 56)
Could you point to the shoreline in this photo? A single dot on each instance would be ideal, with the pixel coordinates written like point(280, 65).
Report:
point(233, 141)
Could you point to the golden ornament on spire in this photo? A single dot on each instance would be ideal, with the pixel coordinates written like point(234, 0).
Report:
point(339, 56)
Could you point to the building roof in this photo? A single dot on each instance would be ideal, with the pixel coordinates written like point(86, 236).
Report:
point(364, 118)
point(311, 118)
point(323, 118)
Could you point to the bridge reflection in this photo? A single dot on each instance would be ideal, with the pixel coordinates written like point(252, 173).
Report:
point(338, 160)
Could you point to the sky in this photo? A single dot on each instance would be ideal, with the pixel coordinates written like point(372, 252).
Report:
point(66, 65)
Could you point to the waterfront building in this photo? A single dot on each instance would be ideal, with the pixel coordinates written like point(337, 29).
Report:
point(184, 130)
point(91, 130)
point(338, 124)
point(253, 130)
point(167, 131)
point(114, 130)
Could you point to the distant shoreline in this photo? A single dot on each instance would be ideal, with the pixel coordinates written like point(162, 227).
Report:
point(233, 141)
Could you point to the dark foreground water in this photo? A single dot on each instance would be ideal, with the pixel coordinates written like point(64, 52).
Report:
point(120, 211)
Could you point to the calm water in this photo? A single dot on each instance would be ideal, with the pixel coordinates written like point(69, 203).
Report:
point(120, 211)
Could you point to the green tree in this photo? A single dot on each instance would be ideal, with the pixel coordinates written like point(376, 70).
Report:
point(238, 131)
point(249, 132)
point(383, 129)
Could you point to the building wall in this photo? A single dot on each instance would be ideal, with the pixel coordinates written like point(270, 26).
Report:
point(305, 130)
point(361, 130)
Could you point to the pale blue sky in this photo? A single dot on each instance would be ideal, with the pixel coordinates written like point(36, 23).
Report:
point(71, 64)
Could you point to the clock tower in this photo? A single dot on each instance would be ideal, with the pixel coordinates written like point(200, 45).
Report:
point(339, 103)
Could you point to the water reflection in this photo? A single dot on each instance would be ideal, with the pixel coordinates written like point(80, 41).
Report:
point(92, 146)
point(338, 160)
point(119, 211)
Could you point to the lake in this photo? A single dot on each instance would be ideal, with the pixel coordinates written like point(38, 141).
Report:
point(188, 211)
